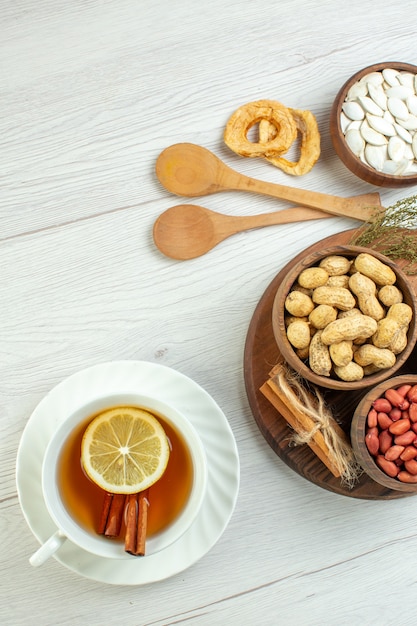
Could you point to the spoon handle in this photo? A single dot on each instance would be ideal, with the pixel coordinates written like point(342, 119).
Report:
point(357, 207)
point(231, 224)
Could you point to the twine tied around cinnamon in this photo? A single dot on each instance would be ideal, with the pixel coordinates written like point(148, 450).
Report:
point(314, 425)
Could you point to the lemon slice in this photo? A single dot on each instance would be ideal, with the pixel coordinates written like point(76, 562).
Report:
point(124, 450)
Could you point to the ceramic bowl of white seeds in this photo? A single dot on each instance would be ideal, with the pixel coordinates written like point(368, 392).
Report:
point(373, 124)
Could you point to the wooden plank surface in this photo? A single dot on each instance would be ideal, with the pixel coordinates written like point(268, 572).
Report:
point(91, 93)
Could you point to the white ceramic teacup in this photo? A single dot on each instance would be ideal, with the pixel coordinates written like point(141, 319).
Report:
point(69, 528)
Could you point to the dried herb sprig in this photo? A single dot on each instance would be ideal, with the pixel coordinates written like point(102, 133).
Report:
point(386, 233)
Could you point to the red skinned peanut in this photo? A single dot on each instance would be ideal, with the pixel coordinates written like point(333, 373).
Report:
point(390, 468)
point(406, 477)
point(382, 404)
point(372, 443)
point(412, 411)
point(396, 399)
point(411, 466)
point(403, 390)
point(372, 418)
point(410, 452)
point(400, 427)
point(393, 453)
point(385, 441)
point(405, 439)
point(384, 421)
point(412, 394)
point(395, 414)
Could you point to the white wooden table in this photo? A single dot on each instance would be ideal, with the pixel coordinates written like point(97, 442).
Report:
point(92, 92)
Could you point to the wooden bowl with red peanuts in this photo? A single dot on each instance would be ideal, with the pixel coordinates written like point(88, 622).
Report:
point(384, 433)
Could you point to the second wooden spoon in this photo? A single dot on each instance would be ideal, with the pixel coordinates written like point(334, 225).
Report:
point(187, 231)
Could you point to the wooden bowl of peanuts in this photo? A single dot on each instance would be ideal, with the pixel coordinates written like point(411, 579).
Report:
point(345, 317)
point(384, 433)
point(373, 124)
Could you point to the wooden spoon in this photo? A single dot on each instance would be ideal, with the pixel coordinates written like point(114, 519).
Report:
point(189, 170)
point(187, 231)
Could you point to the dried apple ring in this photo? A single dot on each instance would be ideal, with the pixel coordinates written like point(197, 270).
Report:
point(242, 120)
point(309, 148)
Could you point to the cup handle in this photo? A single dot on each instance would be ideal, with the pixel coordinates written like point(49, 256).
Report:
point(47, 549)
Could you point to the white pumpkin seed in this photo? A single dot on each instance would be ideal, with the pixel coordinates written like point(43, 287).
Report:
point(355, 125)
point(374, 78)
point(396, 148)
point(390, 167)
point(372, 136)
point(411, 103)
point(378, 95)
point(381, 125)
point(362, 157)
point(388, 116)
point(376, 156)
point(410, 123)
point(414, 145)
point(399, 91)
point(402, 167)
point(356, 90)
point(412, 168)
point(344, 122)
point(408, 152)
point(353, 110)
point(406, 79)
point(391, 76)
point(355, 141)
point(398, 108)
point(370, 106)
point(403, 133)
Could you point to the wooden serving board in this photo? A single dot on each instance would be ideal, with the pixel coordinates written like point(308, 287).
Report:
point(261, 354)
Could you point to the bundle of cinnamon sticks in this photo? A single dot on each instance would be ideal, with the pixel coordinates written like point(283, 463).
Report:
point(312, 422)
point(133, 509)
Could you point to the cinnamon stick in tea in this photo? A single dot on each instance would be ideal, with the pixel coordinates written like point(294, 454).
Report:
point(108, 497)
point(143, 504)
point(111, 517)
point(136, 523)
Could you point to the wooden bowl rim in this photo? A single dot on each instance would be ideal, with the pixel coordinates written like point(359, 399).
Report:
point(308, 259)
point(357, 433)
point(350, 160)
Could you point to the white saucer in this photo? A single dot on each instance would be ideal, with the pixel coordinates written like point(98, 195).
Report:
point(187, 397)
